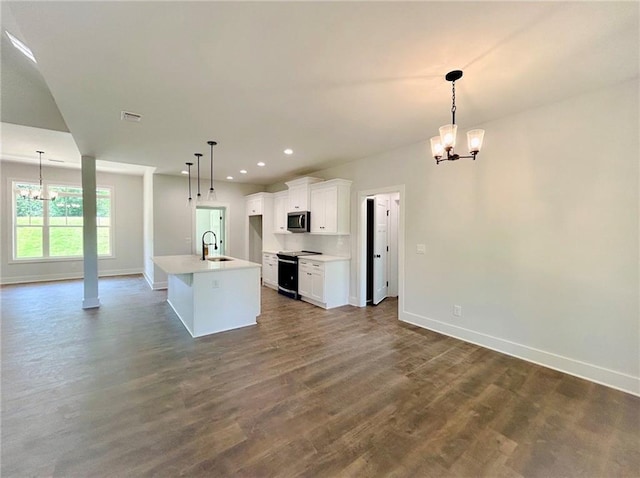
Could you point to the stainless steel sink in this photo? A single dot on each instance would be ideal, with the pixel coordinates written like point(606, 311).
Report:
point(219, 259)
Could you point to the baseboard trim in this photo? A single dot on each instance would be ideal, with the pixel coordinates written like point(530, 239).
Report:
point(91, 303)
point(65, 276)
point(181, 319)
point(594, 373)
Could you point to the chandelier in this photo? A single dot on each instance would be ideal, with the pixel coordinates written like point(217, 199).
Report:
point(38, 194)
point(446, 142)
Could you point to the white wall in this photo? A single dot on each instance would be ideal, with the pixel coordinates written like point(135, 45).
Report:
point(173, 219)
point(127, 216)
point(537, 240)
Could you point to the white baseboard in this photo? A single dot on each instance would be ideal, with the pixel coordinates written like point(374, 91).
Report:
point(594, 373)
point(65, 276)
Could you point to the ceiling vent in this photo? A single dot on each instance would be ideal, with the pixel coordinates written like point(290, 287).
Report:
point(133, 117)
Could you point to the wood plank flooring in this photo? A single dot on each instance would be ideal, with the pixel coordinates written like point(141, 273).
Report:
point(125, 391)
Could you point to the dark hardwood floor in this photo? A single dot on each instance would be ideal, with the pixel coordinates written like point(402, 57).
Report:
point(125, 391)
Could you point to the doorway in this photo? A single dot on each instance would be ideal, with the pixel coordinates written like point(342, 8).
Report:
point(380, 245)
point(211, 218)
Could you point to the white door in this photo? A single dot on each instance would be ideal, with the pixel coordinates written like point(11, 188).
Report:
point(380, 243)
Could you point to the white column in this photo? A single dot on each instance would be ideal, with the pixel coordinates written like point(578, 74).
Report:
point(90, 233)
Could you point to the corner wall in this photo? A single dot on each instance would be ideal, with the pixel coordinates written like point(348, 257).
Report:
point(537, 240)
point(127, 233)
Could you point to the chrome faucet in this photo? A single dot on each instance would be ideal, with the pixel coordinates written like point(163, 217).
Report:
point(205, 246)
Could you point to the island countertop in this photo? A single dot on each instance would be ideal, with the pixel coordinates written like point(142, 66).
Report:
point(189, 264)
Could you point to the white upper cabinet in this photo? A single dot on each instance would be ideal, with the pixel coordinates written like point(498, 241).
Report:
point(330, 207)
point(299, 194)
point(280, 206)
point(256, 203)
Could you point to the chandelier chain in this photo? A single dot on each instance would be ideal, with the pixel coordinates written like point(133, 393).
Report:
point(453, 102)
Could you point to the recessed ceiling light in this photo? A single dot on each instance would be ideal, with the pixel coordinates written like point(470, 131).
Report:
point(243, 171)
point(229, 178)
point(184, 172)
point(22, 47)
point(260, 164)
point(288, 151)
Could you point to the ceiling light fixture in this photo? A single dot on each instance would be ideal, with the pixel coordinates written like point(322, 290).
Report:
point(288, 151)
point(26, 51)
point(261, 164)
point(229, 178)
point(198, 156)
point(243, 171)
point(447, 140)
point(189, 173)
point(38, 194)
point(212, 194)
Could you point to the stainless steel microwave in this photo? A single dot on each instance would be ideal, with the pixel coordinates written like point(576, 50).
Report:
point(298, 221)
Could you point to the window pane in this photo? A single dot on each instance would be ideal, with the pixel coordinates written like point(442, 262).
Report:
point(66, 189)
point(66, 210)
point(28, 242)
point(65, 241)
point(104, 241)
point(28, 211)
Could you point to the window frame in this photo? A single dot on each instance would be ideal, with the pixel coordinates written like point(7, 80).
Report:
point(46, 258)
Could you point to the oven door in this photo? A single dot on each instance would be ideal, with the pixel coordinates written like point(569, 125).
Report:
point(288, 277)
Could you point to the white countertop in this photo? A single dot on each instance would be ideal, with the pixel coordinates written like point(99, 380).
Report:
point(189, 264)
point(323, 258)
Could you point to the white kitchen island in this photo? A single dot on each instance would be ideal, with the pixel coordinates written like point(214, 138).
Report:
point(212, 296)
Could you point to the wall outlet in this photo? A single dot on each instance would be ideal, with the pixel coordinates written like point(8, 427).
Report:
point(421, 248)
point(457, 311)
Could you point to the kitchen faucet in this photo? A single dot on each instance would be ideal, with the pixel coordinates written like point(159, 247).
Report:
point(205, 246)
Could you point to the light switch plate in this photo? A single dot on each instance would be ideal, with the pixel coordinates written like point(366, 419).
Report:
point(421, 248)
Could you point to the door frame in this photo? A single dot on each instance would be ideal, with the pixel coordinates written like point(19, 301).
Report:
point(194, 226)
point(361, 243)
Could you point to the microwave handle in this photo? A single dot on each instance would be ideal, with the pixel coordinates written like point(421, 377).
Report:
point(300, 221)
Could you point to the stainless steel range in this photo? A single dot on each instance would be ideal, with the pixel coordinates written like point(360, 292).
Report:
point(288, 272)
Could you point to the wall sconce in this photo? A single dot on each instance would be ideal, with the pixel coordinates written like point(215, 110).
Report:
point(446, 142)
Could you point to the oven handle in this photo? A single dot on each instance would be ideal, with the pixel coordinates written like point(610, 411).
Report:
point(287, 261)
point(287, 290)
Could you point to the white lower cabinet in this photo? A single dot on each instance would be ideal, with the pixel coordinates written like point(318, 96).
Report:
point(270, 270)
point(325, 284)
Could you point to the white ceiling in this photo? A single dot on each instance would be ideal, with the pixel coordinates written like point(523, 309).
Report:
point(334, 81)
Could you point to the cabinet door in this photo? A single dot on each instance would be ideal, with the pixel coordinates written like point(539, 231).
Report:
point(330, 201)
point(254, 207)
point(298, 199)
point(280, 213)
point(305, 282)
point(317, 284)
point(317, 210)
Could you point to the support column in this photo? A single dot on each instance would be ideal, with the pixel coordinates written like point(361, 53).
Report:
point(90, 233)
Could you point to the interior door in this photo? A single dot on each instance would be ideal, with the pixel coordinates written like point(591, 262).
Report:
point(380, 247)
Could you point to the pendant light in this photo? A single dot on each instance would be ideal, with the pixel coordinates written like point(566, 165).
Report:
point(212, 193)
point(198, 155)
point(445, 143)
point(189, 172)
point(38, 194)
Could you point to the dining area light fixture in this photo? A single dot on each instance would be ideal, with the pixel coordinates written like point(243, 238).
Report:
point(38, 194)
point(442, 147)
point(211, 196)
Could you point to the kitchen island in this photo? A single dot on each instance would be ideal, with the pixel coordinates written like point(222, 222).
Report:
point(214, 295)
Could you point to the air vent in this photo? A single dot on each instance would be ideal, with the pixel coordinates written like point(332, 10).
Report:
point(56, 160)
point(133, 117)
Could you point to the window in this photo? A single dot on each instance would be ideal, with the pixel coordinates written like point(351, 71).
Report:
point(53, 229)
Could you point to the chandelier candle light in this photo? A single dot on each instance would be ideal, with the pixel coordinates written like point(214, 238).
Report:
point(38, 194)
point(447, 140)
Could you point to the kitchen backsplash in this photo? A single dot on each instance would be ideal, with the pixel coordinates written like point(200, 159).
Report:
point(331, 245)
